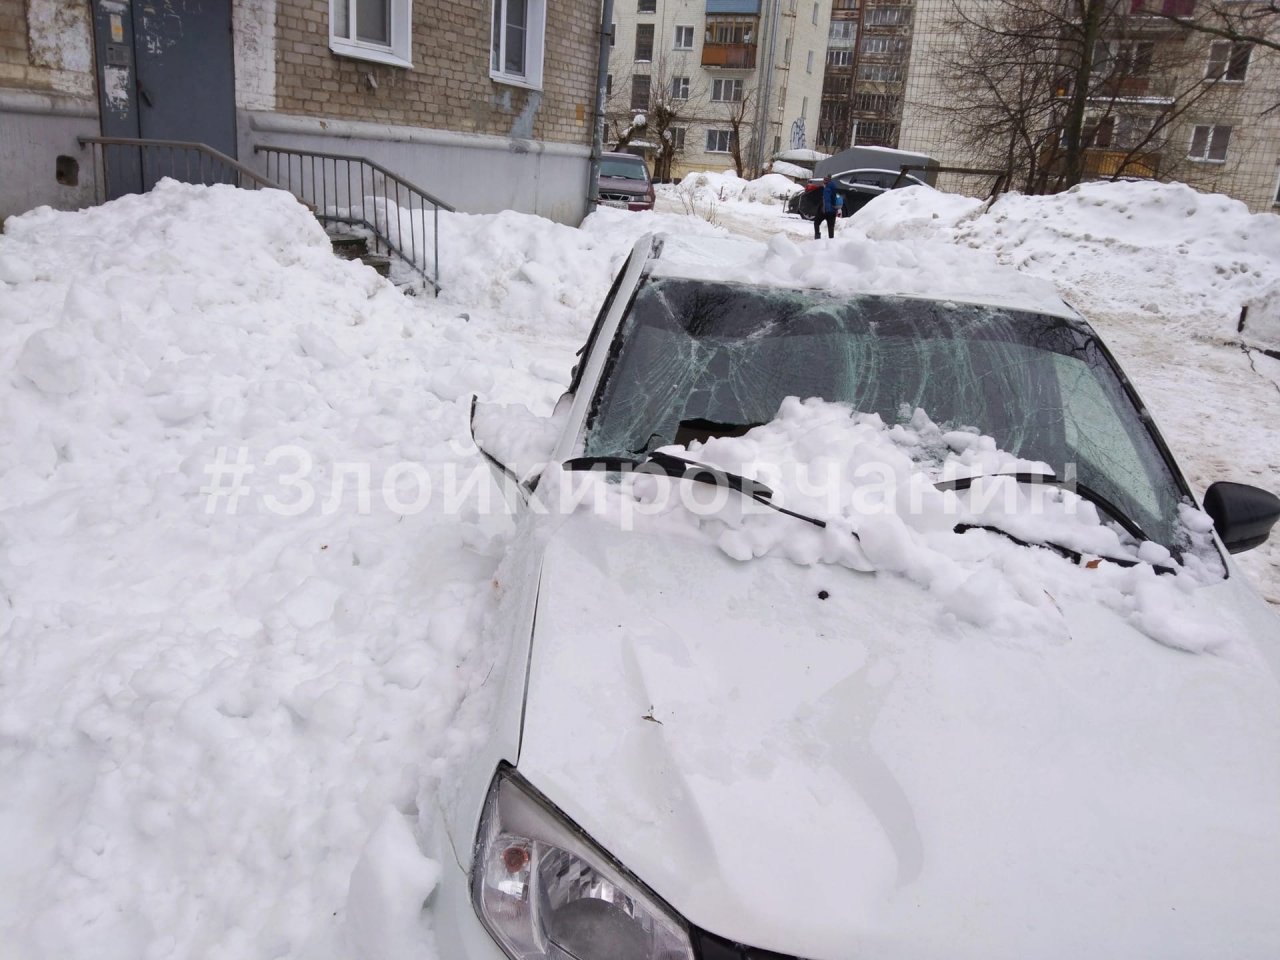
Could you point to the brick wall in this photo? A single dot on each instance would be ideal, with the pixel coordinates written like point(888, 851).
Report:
point(449, 86)
point(13, 43)
point(46, 47)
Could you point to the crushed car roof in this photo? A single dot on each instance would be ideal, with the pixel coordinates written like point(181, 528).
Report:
point(933, 270)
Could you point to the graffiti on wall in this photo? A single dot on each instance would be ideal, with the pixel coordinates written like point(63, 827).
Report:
point(797, 134)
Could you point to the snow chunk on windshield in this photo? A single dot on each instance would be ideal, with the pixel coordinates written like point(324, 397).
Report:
point(1002, 553)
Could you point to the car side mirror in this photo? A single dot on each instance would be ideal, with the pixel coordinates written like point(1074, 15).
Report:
point(516, 443)
point(1243, 515)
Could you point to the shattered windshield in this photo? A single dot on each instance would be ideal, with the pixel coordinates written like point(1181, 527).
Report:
point(698, 352)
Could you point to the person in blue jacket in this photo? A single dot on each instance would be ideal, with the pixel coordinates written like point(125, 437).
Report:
point(832, 207)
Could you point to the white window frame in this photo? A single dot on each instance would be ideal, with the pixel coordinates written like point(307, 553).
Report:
point(678, 137)
point(808, 64)
point(680, 88)
point(534, 50)
point(397, 53)
point(716, 132)
point(1275, 197)
point(1208, 143)
point(733, 84)
point(1226, 63)
point(688, 33)
point(839, 58)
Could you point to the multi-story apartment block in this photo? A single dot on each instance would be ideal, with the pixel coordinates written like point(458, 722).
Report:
point(719, 83)
point(868, 54)
point(1163, 101)
point(487, 105)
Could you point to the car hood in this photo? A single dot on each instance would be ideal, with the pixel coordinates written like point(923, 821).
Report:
point(624, 185)
point(819, 762)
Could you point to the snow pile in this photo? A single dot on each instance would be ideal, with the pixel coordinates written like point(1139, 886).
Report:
point(1200, 256)
point(729, 187)
point(784, 169)
point(231, 654)
point(873, 485)
point(543, 278)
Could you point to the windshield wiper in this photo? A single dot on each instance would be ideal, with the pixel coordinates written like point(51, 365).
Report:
point(668, 465)
point(1079, 489)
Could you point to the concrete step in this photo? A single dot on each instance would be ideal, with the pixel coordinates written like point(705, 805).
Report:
point(378, 262)
point(349, 246)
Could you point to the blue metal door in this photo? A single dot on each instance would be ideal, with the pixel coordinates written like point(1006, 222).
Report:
point(166, 72)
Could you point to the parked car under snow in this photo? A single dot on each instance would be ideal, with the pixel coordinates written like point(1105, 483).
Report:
point(880, 677)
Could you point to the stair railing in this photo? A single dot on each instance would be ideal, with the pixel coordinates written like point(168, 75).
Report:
point(356, 191)
point(148, 161)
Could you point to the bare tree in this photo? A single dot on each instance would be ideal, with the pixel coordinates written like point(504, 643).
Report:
point(1058, 91)
point(739, 112)
point(669, 102)
point(1255, 23)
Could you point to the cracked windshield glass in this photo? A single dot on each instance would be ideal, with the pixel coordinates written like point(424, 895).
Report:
point(693, 351)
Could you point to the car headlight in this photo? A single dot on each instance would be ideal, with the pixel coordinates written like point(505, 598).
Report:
point(544, 890)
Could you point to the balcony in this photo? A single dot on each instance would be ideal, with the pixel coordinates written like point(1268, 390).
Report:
point(1163, 8)
point(736, 56)
point(1100, 163)
point(1159, 90)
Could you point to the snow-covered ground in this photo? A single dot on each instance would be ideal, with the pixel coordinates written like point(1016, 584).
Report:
point(242, 573)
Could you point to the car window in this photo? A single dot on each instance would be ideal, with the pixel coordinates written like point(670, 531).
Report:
point(623, 169)
point(730, 353)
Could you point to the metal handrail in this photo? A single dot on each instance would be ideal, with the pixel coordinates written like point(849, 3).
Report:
point(215, 158)
point(361, 180)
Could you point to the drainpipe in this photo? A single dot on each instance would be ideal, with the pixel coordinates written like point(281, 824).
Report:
point(602, 75)
point(762, 115)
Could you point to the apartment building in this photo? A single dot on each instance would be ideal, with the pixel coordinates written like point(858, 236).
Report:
point(868, 55)
point(719, 83)
point(487, 105)
point(1163, 102)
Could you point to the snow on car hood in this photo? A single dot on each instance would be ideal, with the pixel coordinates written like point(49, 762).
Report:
point(925, 744)
point(827, 764)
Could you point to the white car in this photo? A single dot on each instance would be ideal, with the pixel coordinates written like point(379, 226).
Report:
point(698, 753)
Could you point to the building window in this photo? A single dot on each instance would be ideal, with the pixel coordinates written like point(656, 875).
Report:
point(875, 103)
point(885, 16)
point(1100, 133)
point(730, 30)
point(884, 44)
point(842, 30)
point(719, 141)
point(644, 42)
point(808, 65)
point(613, 34)
point(1228, 61)
point(516, 50)
point(839, 58)
point(1276, 201)
point(608, 84)
point(640, 92)
point(815, 14)
point(679, 88)
point(1209, 143)
point(377, 30)
point(875, 132)
point(726, 91)
point(676, 136)
point(646, 6)
point(684, 38)
point(880, 72)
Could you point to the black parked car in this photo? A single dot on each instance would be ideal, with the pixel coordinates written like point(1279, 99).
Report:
point(858, 187)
